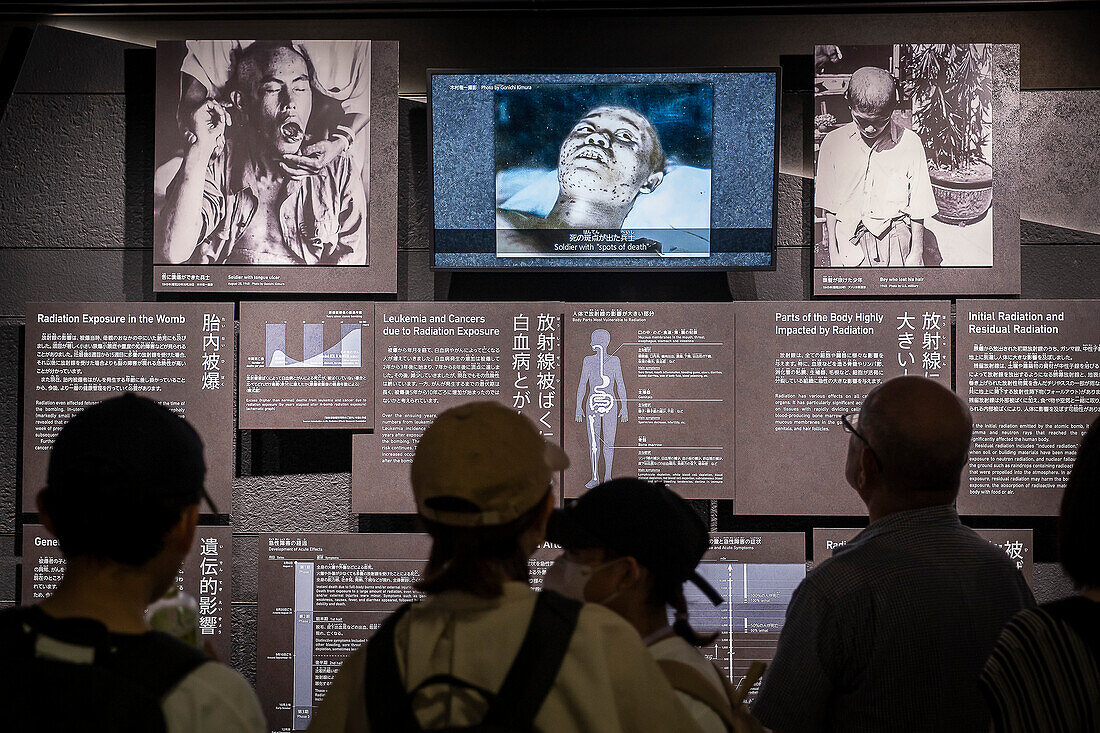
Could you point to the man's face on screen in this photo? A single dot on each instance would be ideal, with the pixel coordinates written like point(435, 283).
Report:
point(608, 155)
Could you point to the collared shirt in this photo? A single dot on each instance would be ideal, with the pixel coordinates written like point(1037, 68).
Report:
point(607, 683)
point(892, 631)
point(874, 183)
point(320, 217)
point(675, 648)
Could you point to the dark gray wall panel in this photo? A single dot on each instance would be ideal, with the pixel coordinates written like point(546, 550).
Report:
point(242, 624)
point(795, 208)
point(415, 279)
point(61, 61)
point(318, 502)
point(414, 195)
point(10, 388)
point(1032, 232)
point(245, 559)
point(1061, 160)
point(789, 281)
point(100, 275)
point(1060, 271)
point(64, 170)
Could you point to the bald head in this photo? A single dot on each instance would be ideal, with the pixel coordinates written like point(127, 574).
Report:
point(920, 430)
point(871, 90)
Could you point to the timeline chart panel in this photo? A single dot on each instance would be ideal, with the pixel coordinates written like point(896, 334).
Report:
point(1030, 371)
point(179, 354)
point(756, 572)
point(306, 365)
point(433, 356)
point(801, 366)
point(320, 597)
point(1018, 544)
point(648, 392)
point(205, 575)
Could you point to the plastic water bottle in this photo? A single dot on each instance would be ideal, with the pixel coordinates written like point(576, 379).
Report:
point(176, 614)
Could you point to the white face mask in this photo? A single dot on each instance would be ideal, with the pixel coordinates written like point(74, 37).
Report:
point(569, 578)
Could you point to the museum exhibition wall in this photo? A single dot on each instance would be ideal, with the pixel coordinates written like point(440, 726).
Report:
point(707, 336)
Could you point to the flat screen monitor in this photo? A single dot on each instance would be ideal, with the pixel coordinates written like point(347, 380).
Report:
point(619, 170)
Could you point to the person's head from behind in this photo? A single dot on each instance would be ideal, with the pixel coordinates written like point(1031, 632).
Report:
point(482, 479)
point(908, 445)
point(123, 488)
point(872, 97)
point(611, 155)
point(631, 545)
point(1080, 514)
point(271, 85)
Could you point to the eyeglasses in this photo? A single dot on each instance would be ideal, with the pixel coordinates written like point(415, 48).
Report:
point(849, 422)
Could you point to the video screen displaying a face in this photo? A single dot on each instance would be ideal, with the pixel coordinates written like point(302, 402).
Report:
point(604, 170)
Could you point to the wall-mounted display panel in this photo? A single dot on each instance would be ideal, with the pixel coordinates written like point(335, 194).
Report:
point(179, 354)
point(800, 366)
point(756, 572)
point(655, 169)
point(648, 392)
point(320, 597)
point(205, 575)
point(1018, 544)
point(306, 365)
point(275, 166)
point(433, 356)
point(916, 169)
point(1030, 371)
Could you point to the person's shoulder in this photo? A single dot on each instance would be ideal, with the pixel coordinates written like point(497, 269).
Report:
point(910, 140)
point(839, 135)
point(213, 693)
point(596, 621)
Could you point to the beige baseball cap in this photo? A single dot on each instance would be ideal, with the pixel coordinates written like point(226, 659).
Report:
point(482, 464)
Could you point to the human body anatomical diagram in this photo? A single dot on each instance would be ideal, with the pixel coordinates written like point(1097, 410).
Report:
point(599, 372)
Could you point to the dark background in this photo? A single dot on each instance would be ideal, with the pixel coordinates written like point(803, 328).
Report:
point(76, 148)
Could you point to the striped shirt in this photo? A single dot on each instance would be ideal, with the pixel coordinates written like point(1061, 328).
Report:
point(1042, 676)
point(891, 632)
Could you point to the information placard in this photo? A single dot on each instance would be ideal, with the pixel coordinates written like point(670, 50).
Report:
point(1018, 544)
point(756, 572)
point(648, 392)
point(801, 366)
point(432, 356)
point(205, 575)
point(306, 365)
point(1030, 371)
point(180, 354)
point(320, 597)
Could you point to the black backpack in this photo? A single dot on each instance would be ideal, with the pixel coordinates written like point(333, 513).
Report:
point(118, 687)
point(512, 708)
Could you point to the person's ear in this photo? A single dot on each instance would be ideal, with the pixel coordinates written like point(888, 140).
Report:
point(627, 572)
point(868, 466)
point(652, 182)
point(182, 534)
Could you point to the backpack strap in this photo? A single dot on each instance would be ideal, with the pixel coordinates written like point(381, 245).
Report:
point(1079, 614)
point(389, 705)
point(690, 681)
point(536, 666)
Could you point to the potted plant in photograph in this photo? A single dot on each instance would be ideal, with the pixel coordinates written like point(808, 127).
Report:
point(951, 86)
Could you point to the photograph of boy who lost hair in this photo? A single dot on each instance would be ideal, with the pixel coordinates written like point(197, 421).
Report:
point(262, 155)
point(630, 163)
point(903, 146)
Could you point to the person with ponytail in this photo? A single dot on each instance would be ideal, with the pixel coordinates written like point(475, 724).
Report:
point(630, 545)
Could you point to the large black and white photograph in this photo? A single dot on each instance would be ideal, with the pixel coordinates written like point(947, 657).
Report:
point(587, 170)
point(263, 159)
point(903, 149)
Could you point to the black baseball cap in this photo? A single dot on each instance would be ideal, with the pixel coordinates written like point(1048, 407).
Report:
point(130, 450)
point(642, 519)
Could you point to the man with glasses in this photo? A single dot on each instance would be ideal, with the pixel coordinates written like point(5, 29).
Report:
point(872, 180)
point(122, 497)
point(891, 632)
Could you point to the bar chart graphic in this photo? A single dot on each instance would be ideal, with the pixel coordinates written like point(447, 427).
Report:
point(345, 353)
